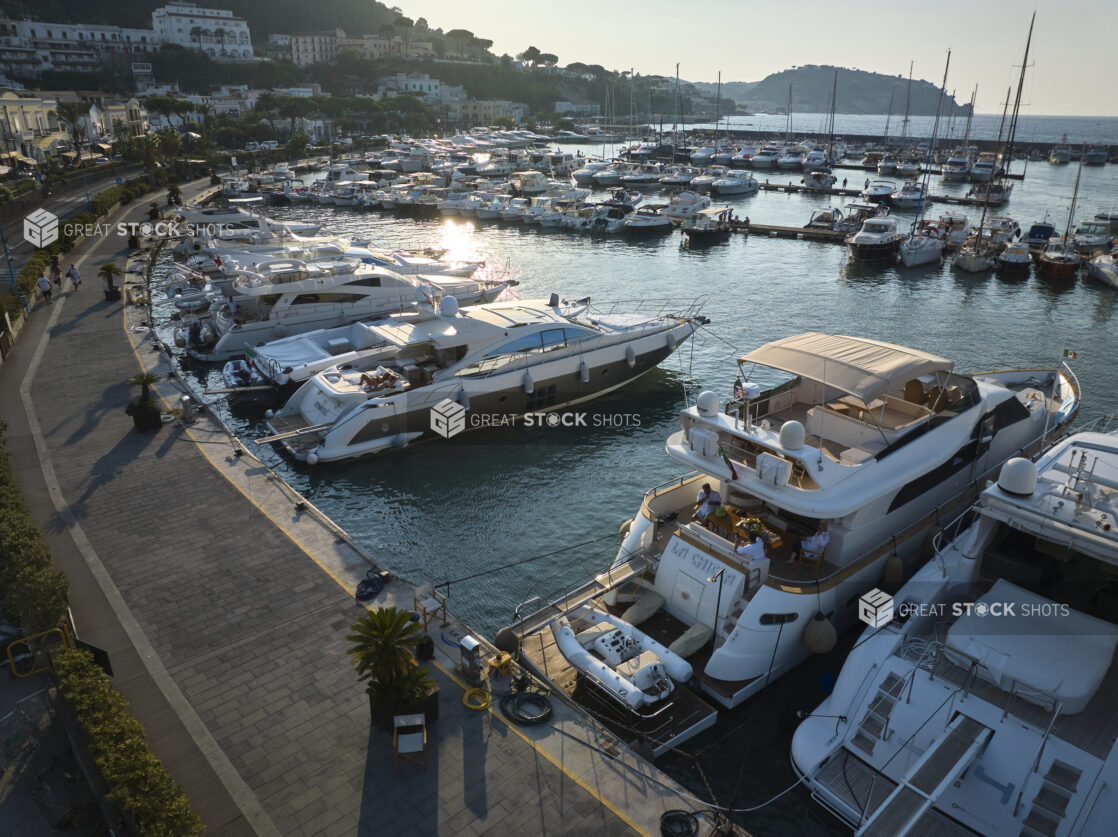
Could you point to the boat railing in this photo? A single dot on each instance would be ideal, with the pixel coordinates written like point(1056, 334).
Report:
point(1101, 424)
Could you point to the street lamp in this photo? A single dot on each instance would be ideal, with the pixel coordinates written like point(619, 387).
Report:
point(718, 604)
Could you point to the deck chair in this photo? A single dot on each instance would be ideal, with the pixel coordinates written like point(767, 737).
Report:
point(429, 603)
point(409, 740)
point(811, 559)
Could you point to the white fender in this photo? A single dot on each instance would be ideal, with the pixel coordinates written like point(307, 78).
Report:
point(584, 372)
point(630, 356)
point(672, 342)
point(529, 384)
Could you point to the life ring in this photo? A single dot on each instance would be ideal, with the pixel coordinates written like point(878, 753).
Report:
point(477, 699)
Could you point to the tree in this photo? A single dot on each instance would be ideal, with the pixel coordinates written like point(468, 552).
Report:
point(548, 59)
point(265, 104)
point(382, 644)
point(196, 35)
point(219, 33)
point(530, 56)
point(108, 272)
point(70, 113)
point(169, 142)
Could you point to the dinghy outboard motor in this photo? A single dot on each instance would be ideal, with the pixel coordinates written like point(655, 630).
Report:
point(553, 300)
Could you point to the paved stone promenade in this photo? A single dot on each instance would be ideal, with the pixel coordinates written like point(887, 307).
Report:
point(224, 607)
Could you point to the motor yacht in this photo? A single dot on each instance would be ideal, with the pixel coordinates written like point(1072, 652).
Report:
point(714, 223)
point(584, 176)
point(684, 205)
point(743, 157)
point(703, 156)
point(887, 166)
point(1060, 155)
point(735, 182)
point(1092, 236)
point(819, 178)
point(908, 168)
point(1015, 258)
point(959, 228)
point(609, 176)
point(703, 182)
point(677, 177)
point(1038, 235)
point(1104, 267)
point(909, 196)
point(856, 212)
point(215, 219)
point(766, 158)
point(985, 704)
point(879, 190)
point(291, 296)
point(956, 169)
point(646, 176)
point(647, 221)
point(473, 367)
point(984, 168)
point(792, 158)
point(877, 241)
point(824, 219)
point(784, 460)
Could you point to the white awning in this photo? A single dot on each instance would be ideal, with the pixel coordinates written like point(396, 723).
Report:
point(863, 368)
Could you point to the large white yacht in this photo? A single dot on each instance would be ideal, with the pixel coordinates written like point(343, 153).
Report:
point(874, 441)
point(498, 360)
point(236, 218)
point(291, 296)
point(980, 701)
point(877, 240)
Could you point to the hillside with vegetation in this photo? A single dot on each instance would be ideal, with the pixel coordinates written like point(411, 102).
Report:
point(859, 91)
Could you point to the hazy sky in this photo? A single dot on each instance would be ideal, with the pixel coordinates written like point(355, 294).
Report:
point(1071, 58)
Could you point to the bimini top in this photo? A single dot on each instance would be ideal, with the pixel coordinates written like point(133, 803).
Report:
point(863, 368)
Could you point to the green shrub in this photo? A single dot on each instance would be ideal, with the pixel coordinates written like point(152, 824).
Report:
point(32, 588)
point(137, 781)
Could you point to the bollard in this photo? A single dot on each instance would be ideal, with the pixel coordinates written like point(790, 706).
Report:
point(187, 410)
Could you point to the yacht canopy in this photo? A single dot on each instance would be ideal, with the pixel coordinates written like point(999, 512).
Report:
point(863, 368)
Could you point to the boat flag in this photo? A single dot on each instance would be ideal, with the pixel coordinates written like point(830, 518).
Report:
point(1068, 353)
point(250, 352)
point(729, 464)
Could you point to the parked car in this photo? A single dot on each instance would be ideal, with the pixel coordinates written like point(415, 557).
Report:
point(252, 146)
point(268, 145)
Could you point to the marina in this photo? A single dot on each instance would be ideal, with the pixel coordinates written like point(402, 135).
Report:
point(536, 258)
point(455, 456)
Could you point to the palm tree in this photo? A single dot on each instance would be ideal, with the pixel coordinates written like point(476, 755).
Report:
point(266, 103)
point(196, 35)
point(382, 643)
point(108, 272)
point(219, 33)
point(144, 381)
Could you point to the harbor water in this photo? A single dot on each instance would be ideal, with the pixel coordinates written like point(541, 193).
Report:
point(510, 514)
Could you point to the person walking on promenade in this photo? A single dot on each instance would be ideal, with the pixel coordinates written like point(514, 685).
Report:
point(56, 272)
point(44, 286)
point(74, 277)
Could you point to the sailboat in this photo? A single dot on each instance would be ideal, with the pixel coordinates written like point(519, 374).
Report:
point(818, 174)
point(1059, 259)
point(925, 242)
point(979, 252)
point(997, 189)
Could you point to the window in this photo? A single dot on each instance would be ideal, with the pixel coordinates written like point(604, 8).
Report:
point(553, 339)
point(365, 281)
point(778, 618)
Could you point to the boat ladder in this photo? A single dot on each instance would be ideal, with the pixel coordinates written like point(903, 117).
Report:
point(935, 771)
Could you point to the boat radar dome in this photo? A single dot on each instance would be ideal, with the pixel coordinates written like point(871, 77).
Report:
point(791, 435)
point(448, 307)
point(707, 404)
point(1018, 476)
point(422, 293)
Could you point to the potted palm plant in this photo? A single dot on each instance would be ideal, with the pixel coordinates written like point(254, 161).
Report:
point(145, 412)
point(382, 648)
point(108, 273)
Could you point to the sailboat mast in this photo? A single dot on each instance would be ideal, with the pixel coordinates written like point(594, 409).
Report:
point(831, 126)
point(1074, 198)
point(677, 105)
point(907, 100)
point(931, 147)
point(970, 116)
point(718, 106)
point(788, 118)
point(888, 116)
point(1017, 101)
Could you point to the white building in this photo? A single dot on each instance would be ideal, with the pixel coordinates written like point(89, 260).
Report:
point(31, 46)
point(581, 109)
point(315, 47)
point(216, 32)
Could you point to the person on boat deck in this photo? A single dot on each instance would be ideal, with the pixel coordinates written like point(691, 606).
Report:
point(739, 390)
point(812, 547)
point(751, 547)
point(384, 380)
point(707, 501)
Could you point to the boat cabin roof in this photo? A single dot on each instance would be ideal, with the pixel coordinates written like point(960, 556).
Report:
point(865, 369)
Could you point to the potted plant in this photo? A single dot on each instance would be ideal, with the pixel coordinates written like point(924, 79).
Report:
point(382, 647)
point(108, 272)
point(145, 412)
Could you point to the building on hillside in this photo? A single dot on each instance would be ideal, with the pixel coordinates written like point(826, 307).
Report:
point(421, 85)
point(579, 109)
point(127, 115)
point(23, 121)
point(482, 112)
point(29, 47)
point(304, 91)
point(378, 47)
point(315, 47)
point(217, 32)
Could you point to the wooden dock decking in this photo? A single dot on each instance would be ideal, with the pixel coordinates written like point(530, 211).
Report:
point(794, 188)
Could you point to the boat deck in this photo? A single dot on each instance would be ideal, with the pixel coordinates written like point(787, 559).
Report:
point(864, 789)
